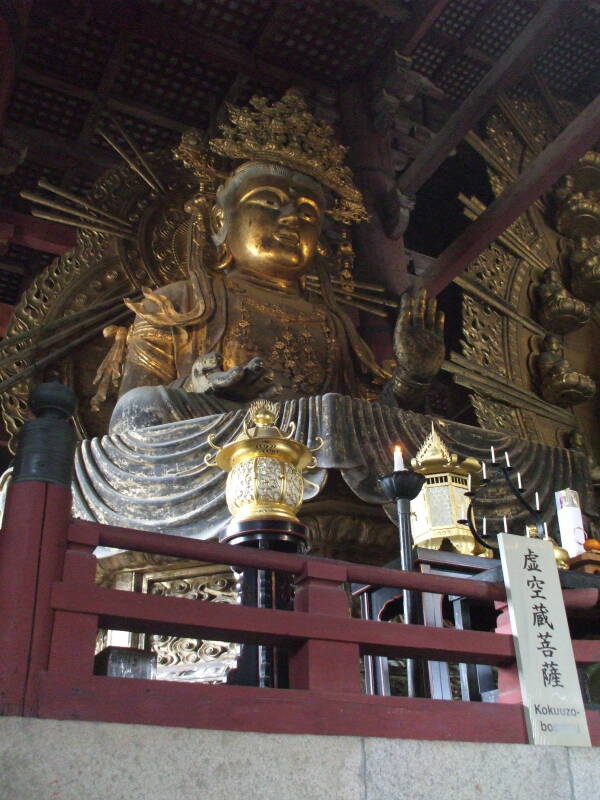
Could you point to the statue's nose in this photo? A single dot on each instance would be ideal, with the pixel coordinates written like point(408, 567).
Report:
point(288, 214)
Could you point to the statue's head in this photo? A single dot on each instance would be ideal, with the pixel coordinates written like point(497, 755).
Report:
point(267, 220)
point(551, 343)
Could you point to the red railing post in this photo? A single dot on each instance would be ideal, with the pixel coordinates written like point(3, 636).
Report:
point(20, 540)
point(33, 542)
point(72, 646)
point(509, 686)
point(319, 664)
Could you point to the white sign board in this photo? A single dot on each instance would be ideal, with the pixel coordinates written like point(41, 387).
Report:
point(570, 521)
point(549, 683)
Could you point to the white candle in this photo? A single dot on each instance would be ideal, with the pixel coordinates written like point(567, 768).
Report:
point(398, 459)
point(485, 526)
point(519, 483)
point(546, 530)
point(493, 455)
point(507, 459)
point(537, 501)
point(484, 471)
point(505, 525)
point(469, 482)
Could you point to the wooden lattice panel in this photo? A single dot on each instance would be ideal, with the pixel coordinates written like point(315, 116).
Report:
point(79, 184)
point(428, 57)
point(18, 254)
point(146, 136)
point(499, 30)
point(236, 21)
point(10, 286)
point(573, 56)
point(458, 16)
point(72, 53)
point(25, 176)
point(176, 84)
point(328, 39)
point(462, 79)
point(47, 109)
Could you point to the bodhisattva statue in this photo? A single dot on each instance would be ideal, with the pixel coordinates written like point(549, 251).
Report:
point(259, 316)
point(252, 330)
point(244, 326)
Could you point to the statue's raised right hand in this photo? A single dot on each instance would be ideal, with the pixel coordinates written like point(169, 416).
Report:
point(238, 383)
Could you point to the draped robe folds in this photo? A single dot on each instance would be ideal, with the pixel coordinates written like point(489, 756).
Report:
point(149, 471)
point(155, 478)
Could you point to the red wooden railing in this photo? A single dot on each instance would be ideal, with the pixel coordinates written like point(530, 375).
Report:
point(51, 610)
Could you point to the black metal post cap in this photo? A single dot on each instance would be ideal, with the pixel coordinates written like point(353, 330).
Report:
point(46, 444)
point(53, 399)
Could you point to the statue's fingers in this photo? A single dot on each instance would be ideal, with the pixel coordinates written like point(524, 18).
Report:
point(403, 321)
point(430, 314)
point(223, 380)
point(255, 365)
point(440, 319)
point(420, 304)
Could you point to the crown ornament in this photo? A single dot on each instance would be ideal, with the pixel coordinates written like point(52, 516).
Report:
point(286, 133)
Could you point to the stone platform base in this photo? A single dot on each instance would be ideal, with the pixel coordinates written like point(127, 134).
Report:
point(50, 759)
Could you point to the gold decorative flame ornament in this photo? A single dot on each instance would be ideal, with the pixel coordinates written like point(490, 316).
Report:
point(265, 467)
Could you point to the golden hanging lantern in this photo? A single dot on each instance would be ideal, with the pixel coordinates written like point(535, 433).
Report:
point(265, 467)
point(436, 511)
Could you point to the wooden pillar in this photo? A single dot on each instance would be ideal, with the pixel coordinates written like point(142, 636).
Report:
point(379, 259)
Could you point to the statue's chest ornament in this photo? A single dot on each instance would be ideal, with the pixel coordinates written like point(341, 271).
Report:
point(298, 346)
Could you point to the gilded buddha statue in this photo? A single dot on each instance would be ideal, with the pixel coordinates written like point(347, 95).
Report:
point(250, 329)
point(260, 316)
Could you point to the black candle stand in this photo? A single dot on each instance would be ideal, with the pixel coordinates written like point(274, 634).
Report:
point(535, 513)
point(403, 486)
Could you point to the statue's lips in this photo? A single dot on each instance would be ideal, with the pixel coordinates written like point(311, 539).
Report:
point(287, 237)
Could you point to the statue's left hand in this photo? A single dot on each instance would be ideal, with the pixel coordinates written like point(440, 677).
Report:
point(418, 338)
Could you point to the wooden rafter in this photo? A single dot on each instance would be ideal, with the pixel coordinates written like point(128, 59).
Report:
point(530, 42)
point(537, 178)
point(38, 234)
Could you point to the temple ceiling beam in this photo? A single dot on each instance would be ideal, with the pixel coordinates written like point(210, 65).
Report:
point(536, 178)
point(38, 234)
point(530, 42)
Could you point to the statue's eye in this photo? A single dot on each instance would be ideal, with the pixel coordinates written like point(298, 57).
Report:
point(267, 199)
point(307, 212)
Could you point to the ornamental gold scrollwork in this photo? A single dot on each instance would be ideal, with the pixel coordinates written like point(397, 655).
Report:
point(188, 659)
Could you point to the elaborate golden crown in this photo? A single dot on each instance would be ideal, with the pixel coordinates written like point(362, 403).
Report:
point(287, 133)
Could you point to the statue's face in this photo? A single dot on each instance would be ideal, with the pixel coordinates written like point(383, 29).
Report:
point(274, 226)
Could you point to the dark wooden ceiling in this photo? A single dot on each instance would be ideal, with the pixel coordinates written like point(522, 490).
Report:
point(163, 65)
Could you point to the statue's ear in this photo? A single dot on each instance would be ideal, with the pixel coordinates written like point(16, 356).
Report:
point(217, 220)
